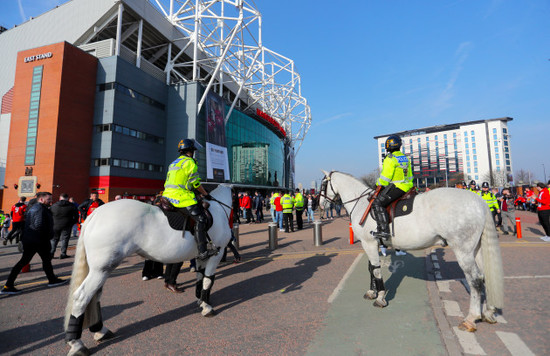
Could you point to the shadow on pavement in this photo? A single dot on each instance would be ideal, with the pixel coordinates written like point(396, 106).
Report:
point(401, 267)
point(46, 332)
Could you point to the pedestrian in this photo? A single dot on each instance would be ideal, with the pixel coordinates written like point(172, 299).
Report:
point(17, 214)
point(299, 205)
point(311, 207)
point(490, 199)
point(279, 210)
point(288, 205)
point(328, 208)
point(171, 275)
point(88, 206)
point(236, 209)
point(507, 209)
point(152, 269)
point(247, 206)
point(76, 227)
point(338, 207)
point(272, 206)
point(65, 215)
point(498, 216)
point(258, 206)
point(36, 238)
point(118, 197)
point(4, 227)
point(236, 255)
point(543, 210)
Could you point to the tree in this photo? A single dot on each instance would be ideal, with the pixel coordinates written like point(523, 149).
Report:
point(496, 178)
point(370, 179)
point(524, 177)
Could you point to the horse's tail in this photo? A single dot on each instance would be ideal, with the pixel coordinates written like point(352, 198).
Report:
point(80, 271)
point(492, 263)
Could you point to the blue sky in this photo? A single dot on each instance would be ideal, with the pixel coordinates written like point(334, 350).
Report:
point(371, 67)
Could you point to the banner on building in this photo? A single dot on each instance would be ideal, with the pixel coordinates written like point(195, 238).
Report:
point(217, 163)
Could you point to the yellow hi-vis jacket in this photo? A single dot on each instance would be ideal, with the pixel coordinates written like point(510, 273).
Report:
point(490, 199)
point(396, 169)
point(181, 179)
point(286, 202)
point(299, 201)
point(272, 200)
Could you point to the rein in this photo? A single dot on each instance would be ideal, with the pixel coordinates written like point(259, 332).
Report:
point(324, 188)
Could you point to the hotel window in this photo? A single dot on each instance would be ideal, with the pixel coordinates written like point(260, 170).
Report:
point(477, 177)
point(472, 132)
point(498, 169)
point(474, 151)
point(444, 136)
point(475, 158)
point(505, 143)
point(494, 130)
point(507, 156)
point(467, 151)
point(498, 162)
point(465, 139)
point(473, 145)
point(454, 134)
point(473, 139)
point(469, 170)
point(467, 146)
point(505, 149)
point(504, 130)
point(507, 162)
point(495, 137)
point(468, 163)
point(475, 163)
point(496, 149)
point(475, 170)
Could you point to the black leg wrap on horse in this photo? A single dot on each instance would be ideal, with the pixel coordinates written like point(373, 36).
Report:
point(379, 284)
point(97, 326)
point(372, 283)
point(198, 284)
point(74, 329)
point(205, 293)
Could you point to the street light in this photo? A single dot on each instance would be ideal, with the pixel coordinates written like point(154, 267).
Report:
point(544, 169)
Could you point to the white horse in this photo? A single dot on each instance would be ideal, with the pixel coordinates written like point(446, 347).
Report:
point(458, 217)
point(121, 228)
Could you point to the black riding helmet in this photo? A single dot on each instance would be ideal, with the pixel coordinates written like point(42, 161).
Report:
point(186, 145)
point(393, 143)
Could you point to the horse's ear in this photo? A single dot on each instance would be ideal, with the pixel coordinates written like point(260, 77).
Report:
point(325, 173)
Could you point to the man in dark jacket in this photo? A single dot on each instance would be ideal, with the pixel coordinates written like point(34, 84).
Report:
point(88, 206)
point(36, 239)
point(65, 215)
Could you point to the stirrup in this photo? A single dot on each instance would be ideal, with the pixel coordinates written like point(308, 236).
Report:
point(383, 236)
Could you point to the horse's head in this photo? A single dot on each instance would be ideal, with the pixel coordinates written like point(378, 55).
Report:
point(328, 191)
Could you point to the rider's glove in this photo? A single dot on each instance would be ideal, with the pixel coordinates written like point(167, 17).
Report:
point(208, 197)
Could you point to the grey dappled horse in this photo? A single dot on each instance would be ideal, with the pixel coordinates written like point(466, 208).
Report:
point(459, 217)
point(120, 228)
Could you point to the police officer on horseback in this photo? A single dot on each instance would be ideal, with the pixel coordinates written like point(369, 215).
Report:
point(397, 179)
point(181, 182)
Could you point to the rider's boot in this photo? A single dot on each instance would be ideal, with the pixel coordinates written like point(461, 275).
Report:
point(206, 248)
point(383, 228)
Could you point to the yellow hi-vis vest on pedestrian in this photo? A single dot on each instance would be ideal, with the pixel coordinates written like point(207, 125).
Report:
point(272, 200)
point(181, 179)
point(286, 202)
point(299, 201)
point(396, 169)
point(490, 199)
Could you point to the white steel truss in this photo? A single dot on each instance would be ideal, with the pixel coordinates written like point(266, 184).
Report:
point(224, 43)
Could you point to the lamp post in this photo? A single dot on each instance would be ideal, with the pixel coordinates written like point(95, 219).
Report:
point(544, 170)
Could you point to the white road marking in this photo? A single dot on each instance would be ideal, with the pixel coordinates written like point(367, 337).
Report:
point(527, 277)
point(434, 257)
point(438, 275)
point(340, 285)
point(452, 308)
point(468, 342)
point(443, 286)
point(514, 344)
point(436, 265)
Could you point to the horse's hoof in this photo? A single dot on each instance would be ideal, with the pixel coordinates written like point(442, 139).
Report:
point(380, 303)
point(77, 348)
point(103, 337)
point(467, 326)
point(370, 295)
point(489, 318)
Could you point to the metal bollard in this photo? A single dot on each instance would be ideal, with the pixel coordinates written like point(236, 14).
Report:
point(518, 227)
point(273, 241)
point(236, 234)
point(318, 233)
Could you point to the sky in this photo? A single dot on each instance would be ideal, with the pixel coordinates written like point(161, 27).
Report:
point(374, 67)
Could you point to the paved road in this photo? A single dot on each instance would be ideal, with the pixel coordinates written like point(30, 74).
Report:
point(284, 302)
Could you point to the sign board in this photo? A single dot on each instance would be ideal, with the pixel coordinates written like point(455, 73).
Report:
point(27, 186)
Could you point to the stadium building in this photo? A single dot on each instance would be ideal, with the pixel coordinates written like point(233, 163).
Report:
point(97, 94)
point(474, 150)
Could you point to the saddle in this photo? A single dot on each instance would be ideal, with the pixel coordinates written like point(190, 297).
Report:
point(400, 207)
point(178, 221)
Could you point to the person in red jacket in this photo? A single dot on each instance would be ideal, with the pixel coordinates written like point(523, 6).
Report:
point(247, 206)
point(18, 220)
point(543, 209)
point(279, 210)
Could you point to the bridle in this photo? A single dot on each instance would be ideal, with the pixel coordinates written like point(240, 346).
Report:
point(324, 188)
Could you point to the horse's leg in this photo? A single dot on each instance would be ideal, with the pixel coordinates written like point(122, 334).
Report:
point(81, 298)
point(377, 289)
point(488, 312)
point(205, 281)
point(473, 275)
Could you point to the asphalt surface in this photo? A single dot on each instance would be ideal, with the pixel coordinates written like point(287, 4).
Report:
point(298, 299)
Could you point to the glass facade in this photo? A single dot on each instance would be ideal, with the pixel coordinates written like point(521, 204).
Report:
point(30, 150)
point(255, 152)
